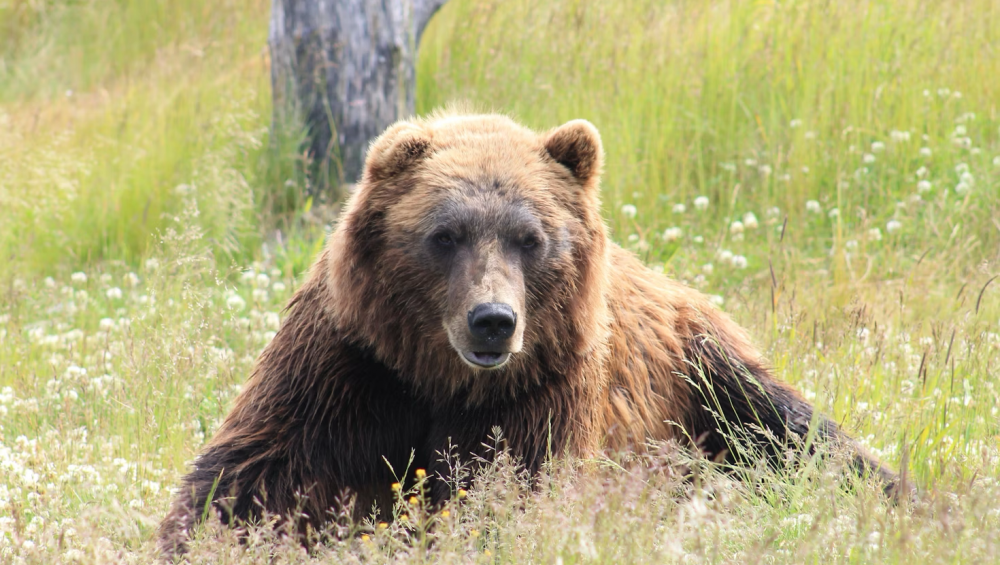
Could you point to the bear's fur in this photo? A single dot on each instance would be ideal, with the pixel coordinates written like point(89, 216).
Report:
point(367, 366)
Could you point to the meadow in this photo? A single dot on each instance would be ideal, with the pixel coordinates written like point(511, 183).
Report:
point(828, 171)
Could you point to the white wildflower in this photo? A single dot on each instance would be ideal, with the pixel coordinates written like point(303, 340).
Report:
point(813, 206)
point(750, 162)
point(924, 186)
point(131, 279)
point(961, 168)
point(107, 324)
point(925, 152)
point(629, 211)
point(996, 161)
point(152, 264)
point(878, 147)
point(263, 281)
point(962, 188)
point(278, 287)
point(272, 320)
point(679, 208)
point(834, 212)
point(810, 135)
point(716, 299)
point(739, 261)
point(736, 227)
point(868, 158)
point(851, 244)
point(701, 202)
point(260, 295)
point(899, 136)
point(968, 179)
point(921, 172)
point(50, 282)
point(672, 234)
point(114, 293)
point(875, 234)
point(724, 255)
point(765, 170)
point(78, 277)
point(960, 130)
point(795, 123)
point(805, 169)
point(750, 221)
point(235, 302)
point(708, 268)
point(893, 226)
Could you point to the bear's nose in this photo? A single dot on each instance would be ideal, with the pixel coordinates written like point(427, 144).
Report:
point(492, 321)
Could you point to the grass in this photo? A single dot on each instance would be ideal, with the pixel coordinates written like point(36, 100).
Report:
point(849, 154)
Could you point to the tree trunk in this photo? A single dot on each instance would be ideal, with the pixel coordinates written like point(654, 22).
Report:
point(344, 69)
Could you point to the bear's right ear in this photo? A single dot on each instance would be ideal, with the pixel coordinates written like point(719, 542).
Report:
point(576, 145)
point(396, 150)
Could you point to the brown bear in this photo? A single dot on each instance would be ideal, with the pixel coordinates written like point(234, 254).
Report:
point(471, 284)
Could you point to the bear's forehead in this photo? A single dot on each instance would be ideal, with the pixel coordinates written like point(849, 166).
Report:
point(482, 200)
point(485, 176)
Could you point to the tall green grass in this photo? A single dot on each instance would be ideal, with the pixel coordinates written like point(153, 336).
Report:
point(113, 110)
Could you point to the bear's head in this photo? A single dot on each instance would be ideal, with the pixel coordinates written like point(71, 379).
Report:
point(472, 254)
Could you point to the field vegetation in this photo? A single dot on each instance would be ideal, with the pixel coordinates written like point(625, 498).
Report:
point(828, 171)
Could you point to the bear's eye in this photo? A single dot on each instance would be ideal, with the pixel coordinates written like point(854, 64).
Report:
point(529, 242)
point(444, 239)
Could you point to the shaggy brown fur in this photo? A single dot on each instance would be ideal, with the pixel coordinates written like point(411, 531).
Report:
point(368, 366)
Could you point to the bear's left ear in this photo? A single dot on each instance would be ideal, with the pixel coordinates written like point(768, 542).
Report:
point(396, 150)
point(576, 145)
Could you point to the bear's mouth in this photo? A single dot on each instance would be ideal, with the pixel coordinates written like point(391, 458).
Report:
point(486, 359)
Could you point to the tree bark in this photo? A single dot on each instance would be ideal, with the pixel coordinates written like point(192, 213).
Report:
point(344, 69)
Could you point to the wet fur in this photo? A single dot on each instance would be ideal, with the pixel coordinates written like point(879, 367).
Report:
point(361, 369)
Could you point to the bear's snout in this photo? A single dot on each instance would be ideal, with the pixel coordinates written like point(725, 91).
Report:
point(492, 323)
